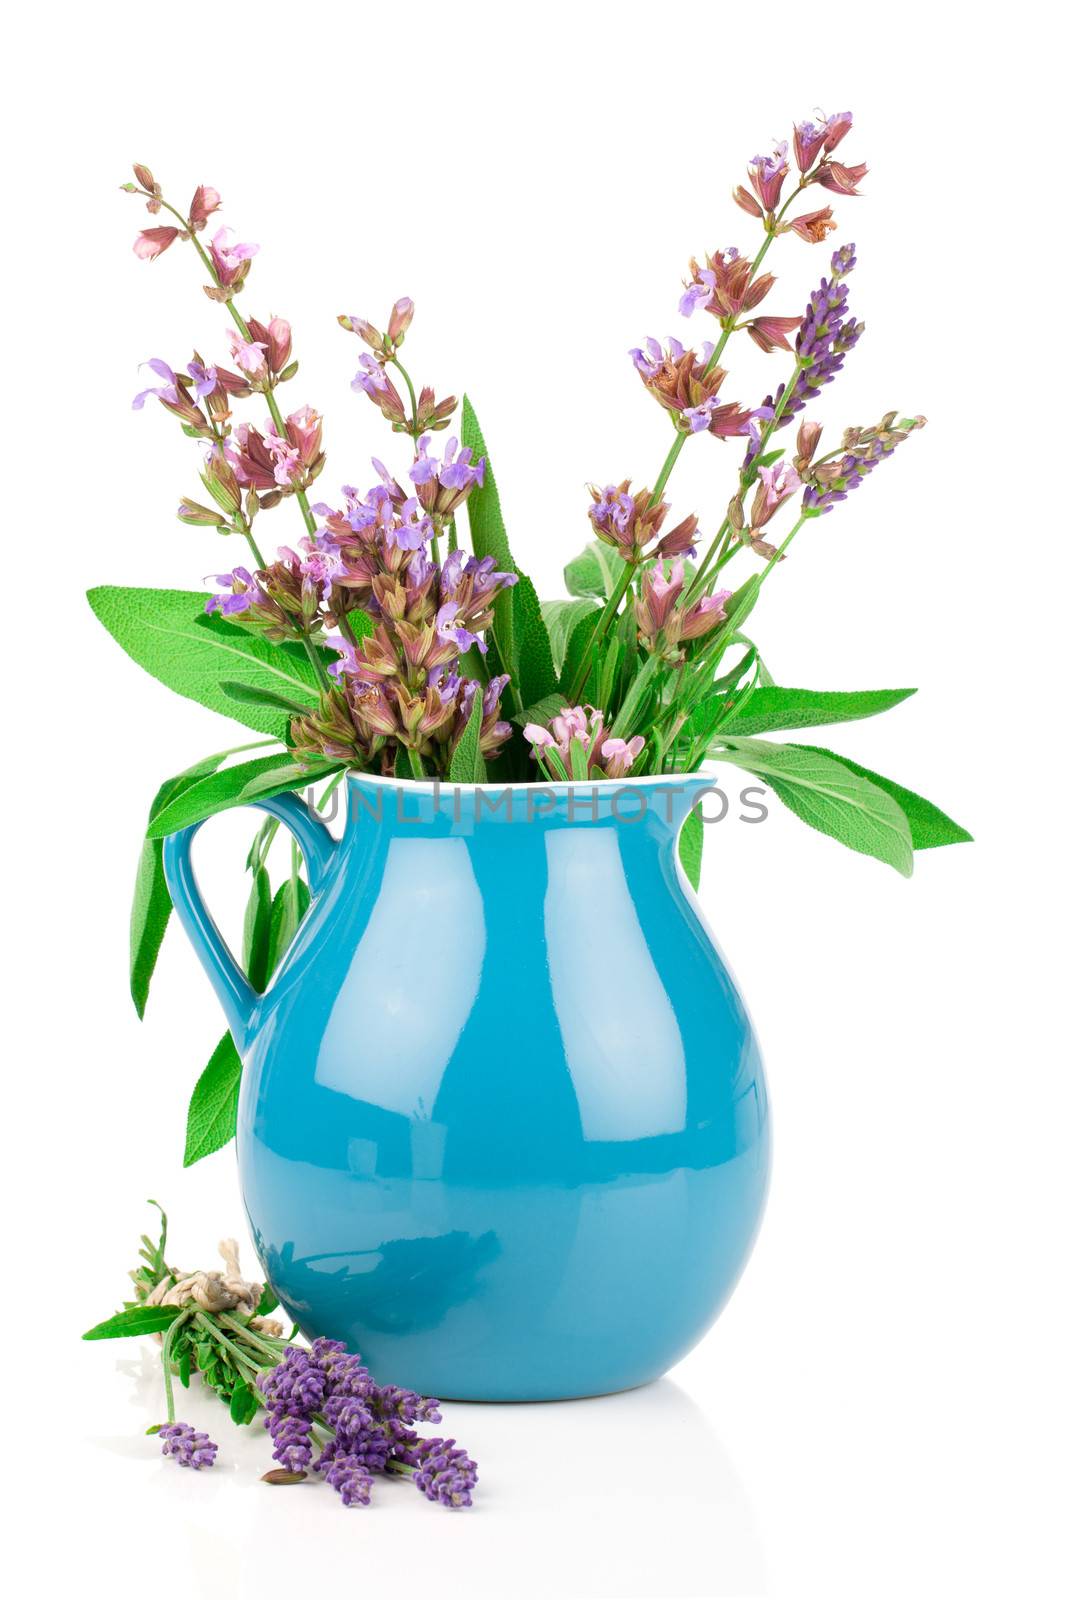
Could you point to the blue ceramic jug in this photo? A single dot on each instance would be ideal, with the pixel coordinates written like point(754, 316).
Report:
point(503, 1126)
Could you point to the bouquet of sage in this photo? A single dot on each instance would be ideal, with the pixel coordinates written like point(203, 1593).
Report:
point(397, 634)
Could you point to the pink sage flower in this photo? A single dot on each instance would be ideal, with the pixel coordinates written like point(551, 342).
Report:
point(151, 242)
point(230, 259)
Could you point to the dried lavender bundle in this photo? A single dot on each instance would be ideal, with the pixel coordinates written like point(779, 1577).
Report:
point(320, 1405)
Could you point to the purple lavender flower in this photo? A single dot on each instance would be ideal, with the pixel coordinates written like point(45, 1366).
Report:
point(345, 1372)
point(348, 1475)
point(824, 339)
point(863, 450)
point(291, 1434)
point(443, 1473)
point(329, 1385)
point(407, 1405)
point(843, 260)
point(348, 1413)
point(297, 1383)
point(188, 1448)
point(324, 1350)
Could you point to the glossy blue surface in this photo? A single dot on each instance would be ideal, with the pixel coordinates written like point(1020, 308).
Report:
point(503, 1126)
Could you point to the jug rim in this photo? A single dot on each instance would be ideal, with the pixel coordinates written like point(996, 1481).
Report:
point(441, 785)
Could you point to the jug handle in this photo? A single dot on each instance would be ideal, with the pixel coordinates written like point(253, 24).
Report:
point(238, 998)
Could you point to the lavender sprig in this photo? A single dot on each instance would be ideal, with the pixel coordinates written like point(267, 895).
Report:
point(323, 1410)
point(187, 1447)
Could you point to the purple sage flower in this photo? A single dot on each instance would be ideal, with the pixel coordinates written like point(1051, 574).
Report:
point(768, 174)
point(649, 360)
point(167, 391)
point(698, 293)
point(205, 379)
point(450, 629)
point(246, 592)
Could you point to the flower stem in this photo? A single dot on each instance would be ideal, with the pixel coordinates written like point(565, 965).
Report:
point(210, 1326)
point(668, 466)
point(168, 1345)
point(611, 605)
point(251, 1337)
point(722, 537)
point(403, 371)
point(778, 554)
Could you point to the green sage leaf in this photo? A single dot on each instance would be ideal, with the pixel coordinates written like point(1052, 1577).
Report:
point(489, 536)
point(211, 1121)
point(249, 694)
point(467, 764)
point(255, 946)
point(929, 825)
point(595, 572)
point(136, 1320)
point(561, 619)
point(773, 708)
point(691, 846)
point(268, 1302)
point(151, 907)
point(823, 792)
point(168, 634)
point(533, 652)
point(576, 649)
point(541, 712)
point(235, 786)
point(286, 914)
point(243, 1406)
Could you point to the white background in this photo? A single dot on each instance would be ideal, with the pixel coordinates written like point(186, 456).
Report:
point(880, 1410)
